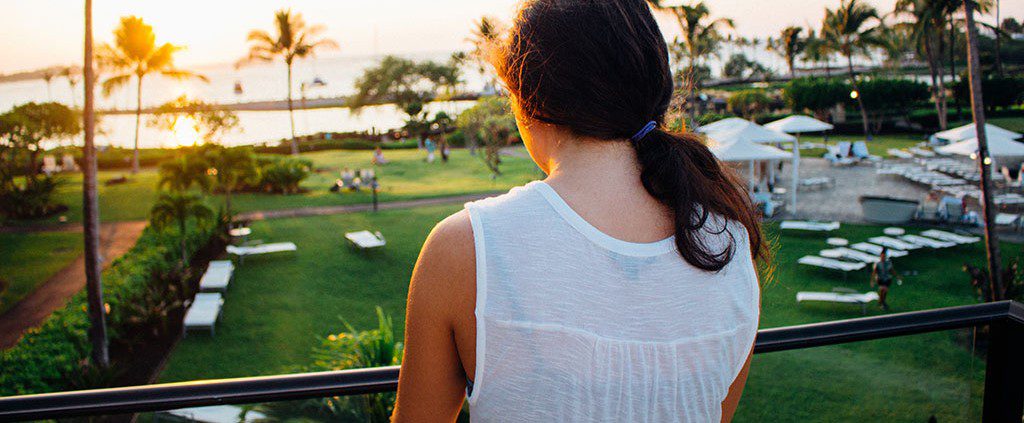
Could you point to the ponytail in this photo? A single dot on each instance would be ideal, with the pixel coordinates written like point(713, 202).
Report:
point(682, 173)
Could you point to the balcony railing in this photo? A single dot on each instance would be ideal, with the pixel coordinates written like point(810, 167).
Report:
point(1003, 397)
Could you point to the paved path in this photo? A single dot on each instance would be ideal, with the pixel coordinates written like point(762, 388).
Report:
point(356, 208)
point(115, 240)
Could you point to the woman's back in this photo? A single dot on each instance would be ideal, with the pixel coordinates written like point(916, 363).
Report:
point(575, 325)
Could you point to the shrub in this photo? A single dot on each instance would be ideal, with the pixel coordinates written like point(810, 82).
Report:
point(282, 175)
point(816, 95)
point(53, 356)
point(321, 144)
point(886, 99)
point(997, 92)
point(749, 103)
point(33, 200)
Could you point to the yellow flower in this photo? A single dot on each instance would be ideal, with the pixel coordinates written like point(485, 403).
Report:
point(332, 338)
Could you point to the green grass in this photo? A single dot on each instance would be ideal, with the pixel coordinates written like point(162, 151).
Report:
point(27, 260)
point(277, 306)
point(407, 177)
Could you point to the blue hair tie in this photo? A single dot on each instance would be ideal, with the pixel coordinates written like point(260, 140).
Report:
point(639, 135)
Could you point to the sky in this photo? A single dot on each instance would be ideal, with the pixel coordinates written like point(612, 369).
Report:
point(40, 33)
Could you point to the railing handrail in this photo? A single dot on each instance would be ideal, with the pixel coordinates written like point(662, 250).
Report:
point(364, 381)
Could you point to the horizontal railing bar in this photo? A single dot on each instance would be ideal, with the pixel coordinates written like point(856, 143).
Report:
point(365, 381)
point(877, 327)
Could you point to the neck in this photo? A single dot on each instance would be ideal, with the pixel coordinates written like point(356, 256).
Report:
point(608, 165)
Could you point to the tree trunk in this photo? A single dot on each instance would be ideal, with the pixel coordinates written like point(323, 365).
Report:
point(138, 123)
point(860, 99)
point(291, 112)
point(933, 66)
point(999, 43)
point(183, 238)
point(952, 65)
point(984, 164)
point(91, 211)
point(227, 203)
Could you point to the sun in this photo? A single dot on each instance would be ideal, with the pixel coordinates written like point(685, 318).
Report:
point(185, 132)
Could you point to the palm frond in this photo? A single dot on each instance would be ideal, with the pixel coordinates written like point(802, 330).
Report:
point(115, 82)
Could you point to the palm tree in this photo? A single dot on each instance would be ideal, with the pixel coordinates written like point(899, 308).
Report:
point(71, 74)
point(293, 40)
point(230, 167)
point(700, 37)
point(818, 50)
point(47, 76)
point(847, 28)
point(896, 41)
point(184, 172)
point(136, 54)
point(927, 18)
point(788, 46)
point(178, 208)
point(91, 210)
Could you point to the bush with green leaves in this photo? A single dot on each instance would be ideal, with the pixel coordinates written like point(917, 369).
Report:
point(490, 120)
point(32, 200)
point(815, 95)
point(282, 175)
point(352, 349)
point(997, 92)
point(749, 103)
point(888, 99)
point(54, 356)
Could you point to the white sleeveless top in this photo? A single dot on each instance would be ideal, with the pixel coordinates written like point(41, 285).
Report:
point(576, 326)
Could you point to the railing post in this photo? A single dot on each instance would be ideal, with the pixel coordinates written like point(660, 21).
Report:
point(1004, 373)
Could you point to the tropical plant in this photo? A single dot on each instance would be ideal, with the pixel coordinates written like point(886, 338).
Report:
point(701, 36)
point(136, 54)
point(483, 37)
point(896, 42)
point(72, 75)
point(927, 19)
point(150, 315)
point(818, 50)
point(231, 168)
point(849, 29)
point(47, 76)
point(789, 45)
point(351, 349)
point(408, 84)
point(182, 173)
point(177, 208)
point(293, 39)
point(489, 120)
point(739, 66)
point(25, 127)
point(210, 122)
point(891, 98)
point(282, 175)
point(997, 92)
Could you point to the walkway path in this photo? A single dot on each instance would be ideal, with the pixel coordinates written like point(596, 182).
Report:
point(115, 240)
point(356, 208)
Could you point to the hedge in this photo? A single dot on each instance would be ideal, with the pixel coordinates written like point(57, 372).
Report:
point(335, 144)
point(50, 357)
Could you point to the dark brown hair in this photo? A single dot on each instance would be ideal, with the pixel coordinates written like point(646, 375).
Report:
point(600, 68)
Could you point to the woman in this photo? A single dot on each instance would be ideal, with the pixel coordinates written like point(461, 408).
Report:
point(620, 288)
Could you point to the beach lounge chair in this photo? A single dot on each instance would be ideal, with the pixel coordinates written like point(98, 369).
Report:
point(365, 240)
point(899, 154)
point(277, 247)
point(850, 254)
point(67, 163)
point(217, 276)
point(839, 297)
point(927, 242)
point(217, 414)
point(50, 165)
point(951, 237)
point(809, 226)
point(828, 263)
point(204, 312)
point(1007, 219)
point(877, 249)
point(893, 243)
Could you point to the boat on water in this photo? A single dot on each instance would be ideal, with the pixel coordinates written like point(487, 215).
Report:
point(238, 88)
point(318, 82)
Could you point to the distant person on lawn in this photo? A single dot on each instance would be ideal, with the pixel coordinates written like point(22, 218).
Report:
point(431, 147)
point(621, 288)
point(378, 156)
point(882, 274)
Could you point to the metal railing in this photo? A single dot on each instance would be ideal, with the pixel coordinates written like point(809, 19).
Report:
point(1003, 397)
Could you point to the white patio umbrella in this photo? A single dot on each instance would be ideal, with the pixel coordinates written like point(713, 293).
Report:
point(998, 146)
point(797, 124)
point(961, 133)
point(734, 149)
point(724, 124)
point(746, 130)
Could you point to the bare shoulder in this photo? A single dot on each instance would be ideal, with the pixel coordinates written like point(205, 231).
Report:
point(445, 273)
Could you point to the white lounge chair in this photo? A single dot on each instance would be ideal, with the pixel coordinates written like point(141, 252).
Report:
point(204, 312)
point(365, 240)
point(217, 414)
point(899, 154)
point(851, 254)
point(951, 237)
point(276, 247)
point(809, 226)
point(1007, 219)
point(877, 249)
point(839, 297)
point(827, 263)
point(927, 242)
point(50, 165)
point(893, 243)
point(217, 276)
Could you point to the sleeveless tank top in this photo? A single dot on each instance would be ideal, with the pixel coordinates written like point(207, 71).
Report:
point(574, 325)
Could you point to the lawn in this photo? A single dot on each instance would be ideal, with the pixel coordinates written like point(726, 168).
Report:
point(277, 306)
point(407, 177)
point(878, 146)
point(27, 260)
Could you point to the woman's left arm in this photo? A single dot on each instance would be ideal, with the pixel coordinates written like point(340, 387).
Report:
point(431, 386)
